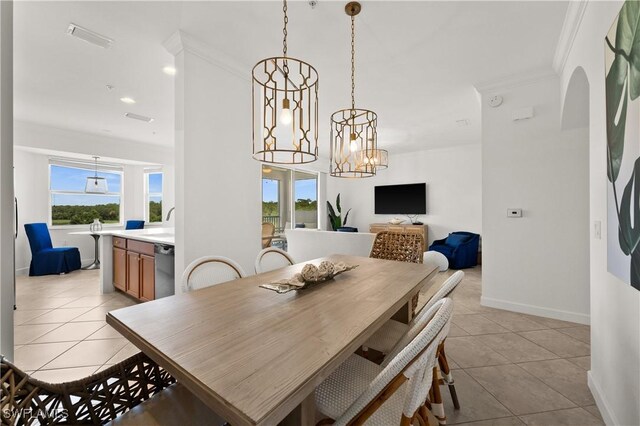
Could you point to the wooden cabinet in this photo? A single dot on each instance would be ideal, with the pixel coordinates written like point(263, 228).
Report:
point(147, 277)
point(421, 229)
point(133, 274)
point(134, 268)
point(120, 268)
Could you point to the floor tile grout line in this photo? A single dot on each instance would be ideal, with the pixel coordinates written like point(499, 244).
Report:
point(559, 356)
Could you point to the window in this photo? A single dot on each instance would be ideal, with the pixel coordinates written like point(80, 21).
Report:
point(289, 198)
point(153, 196)
point(306, 200)
point(70, 205)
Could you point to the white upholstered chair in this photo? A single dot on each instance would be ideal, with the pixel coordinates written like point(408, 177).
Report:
point(437, 258)
point(362, 392)
point(272, 258)
point(393, 334)
point(210, 270)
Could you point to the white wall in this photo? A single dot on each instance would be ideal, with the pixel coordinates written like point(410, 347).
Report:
point(539, 263)
point(32, 180)
point(6, 177)
point(218, 204)
point(454, 191)
point(615, 306)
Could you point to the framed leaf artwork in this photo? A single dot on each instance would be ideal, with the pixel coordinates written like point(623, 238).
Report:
point(622, 90)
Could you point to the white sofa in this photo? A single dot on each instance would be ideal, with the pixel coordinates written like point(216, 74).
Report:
point(307, 244)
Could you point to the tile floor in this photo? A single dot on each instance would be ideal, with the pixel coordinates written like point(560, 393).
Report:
point(510, 369)
point(515, 369)
point(60, 329)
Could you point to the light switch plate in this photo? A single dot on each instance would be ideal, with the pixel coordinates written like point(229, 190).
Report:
point(597, 230)
point(514, 212)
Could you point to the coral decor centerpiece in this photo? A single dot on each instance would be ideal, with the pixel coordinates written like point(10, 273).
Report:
point(310, 275)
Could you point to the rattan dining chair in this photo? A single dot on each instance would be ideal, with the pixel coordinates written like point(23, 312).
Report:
point(361, 391)
point(393, 336)
point(399, 246)
point(268, 231)
point(210, 270)
point(272, 258)
point(96, 399)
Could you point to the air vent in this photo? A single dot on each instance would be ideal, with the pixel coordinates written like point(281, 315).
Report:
point(89, 36)
point(138, 117)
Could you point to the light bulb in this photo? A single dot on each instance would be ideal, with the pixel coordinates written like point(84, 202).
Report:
point(353, 145)
point(285, 116)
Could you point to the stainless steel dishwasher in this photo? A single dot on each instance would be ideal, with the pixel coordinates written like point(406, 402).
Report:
point(164, 270)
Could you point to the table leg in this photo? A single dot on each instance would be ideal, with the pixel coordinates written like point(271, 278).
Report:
point(96, 255)
point(303, 415)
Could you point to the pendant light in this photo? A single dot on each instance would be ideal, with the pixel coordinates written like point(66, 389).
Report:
point(285, 108)
point(96, 184)
point(381, 159)
point(354, 136)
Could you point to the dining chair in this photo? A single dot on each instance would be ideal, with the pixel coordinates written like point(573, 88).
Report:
point(360, 391)
point(393, 336)
point(46, 259)
point(134, 224)
point(272, 258)
point(268, 231)
point(96, 399)
point(210, 270)
point(401, 247)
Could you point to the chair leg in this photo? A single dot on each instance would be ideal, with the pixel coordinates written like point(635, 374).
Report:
point(447, 376)
point(437, 407)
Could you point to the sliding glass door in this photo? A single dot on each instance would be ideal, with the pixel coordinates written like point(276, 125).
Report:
point(289, 198)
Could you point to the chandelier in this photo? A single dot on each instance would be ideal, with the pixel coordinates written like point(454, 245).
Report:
point(96, 184)
point(353, 131)
point(285, 108)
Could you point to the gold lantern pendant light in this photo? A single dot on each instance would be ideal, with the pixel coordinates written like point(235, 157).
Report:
point(381, 159)
point(354, 137)
point(285, 108)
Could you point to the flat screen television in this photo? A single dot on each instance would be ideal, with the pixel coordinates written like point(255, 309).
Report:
point(406, 199)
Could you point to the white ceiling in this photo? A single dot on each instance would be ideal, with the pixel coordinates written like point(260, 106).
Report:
point(417, 62)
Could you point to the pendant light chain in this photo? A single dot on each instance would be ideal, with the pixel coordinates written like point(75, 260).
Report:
point(284, 40)
point(353, 63)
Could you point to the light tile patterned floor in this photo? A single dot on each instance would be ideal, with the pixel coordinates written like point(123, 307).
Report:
point(515, 369)
point(510, 369)
point(60, 329)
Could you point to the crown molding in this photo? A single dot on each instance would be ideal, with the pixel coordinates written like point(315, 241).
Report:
point(515, 80)
point(183, 41)
point(572, 21)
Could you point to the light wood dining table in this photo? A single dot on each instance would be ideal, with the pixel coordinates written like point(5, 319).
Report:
point(254, 356)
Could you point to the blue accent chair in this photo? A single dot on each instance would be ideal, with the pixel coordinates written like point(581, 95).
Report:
point(45, 259)
point(134, 224)
point(460, 248)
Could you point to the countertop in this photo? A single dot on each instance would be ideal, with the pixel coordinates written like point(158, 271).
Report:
point(150, 235)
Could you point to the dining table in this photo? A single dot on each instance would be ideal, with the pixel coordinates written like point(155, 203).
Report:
point(253, 355)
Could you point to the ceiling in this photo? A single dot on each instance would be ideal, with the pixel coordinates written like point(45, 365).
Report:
point(416, 62)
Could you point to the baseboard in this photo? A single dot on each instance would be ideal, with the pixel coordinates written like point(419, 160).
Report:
point(601, 402)
point(23, 272)
point(536, 310)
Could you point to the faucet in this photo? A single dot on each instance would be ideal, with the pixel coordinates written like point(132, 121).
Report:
point(169, 214)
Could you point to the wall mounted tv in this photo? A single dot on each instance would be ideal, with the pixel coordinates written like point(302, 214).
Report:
point(407, 199)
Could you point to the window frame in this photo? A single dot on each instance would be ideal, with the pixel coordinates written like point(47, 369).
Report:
point(82, 165)
point(148, 195)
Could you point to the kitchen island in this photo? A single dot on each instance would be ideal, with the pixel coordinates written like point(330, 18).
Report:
point(138, 262)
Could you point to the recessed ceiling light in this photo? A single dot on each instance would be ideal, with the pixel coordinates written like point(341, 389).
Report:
point(169, 70)
point(128, 100)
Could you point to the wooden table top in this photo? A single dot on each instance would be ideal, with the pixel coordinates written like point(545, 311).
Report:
point(252, 354)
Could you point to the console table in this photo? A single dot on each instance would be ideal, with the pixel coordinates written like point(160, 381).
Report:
point(403, 227)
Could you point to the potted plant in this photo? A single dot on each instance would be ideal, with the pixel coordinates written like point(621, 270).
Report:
point(336, 219)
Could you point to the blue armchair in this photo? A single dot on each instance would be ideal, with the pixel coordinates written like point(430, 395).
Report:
point(460, 248)
point(134, 224)
point(45, 259)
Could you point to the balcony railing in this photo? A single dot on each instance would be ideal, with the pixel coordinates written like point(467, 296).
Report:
point(275, 220)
